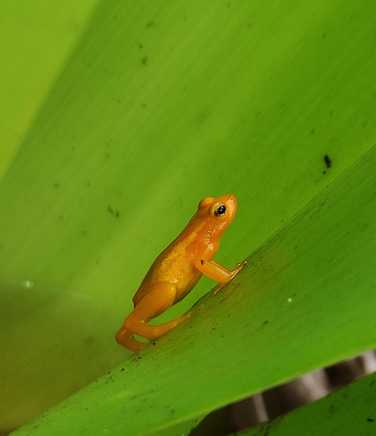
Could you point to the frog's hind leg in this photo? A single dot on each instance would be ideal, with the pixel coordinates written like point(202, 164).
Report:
point(160, 297)
point(125, 337)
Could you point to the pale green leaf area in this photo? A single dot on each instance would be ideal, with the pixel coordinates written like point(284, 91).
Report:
point(160, 104)
point(36, 39)
point(348, 411)
point(307, 300)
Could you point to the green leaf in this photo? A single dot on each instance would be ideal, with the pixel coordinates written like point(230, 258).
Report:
point(301, 304)
point(349, 411)
point(160, 104)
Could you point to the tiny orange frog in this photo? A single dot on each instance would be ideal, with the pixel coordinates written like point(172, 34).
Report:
point(178, 268)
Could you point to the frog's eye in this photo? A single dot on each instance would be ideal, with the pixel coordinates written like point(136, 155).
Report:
point(219, 210)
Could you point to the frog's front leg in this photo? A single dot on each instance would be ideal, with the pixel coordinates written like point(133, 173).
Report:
point(159, 298)
point(217, 272)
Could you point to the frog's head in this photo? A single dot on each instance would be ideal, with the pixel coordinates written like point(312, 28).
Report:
point(218, 212)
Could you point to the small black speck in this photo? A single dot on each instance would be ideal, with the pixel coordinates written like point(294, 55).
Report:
point(370, 419)
point(202, 262)
point(122, 369)
point(144, 60)
point(328, 161)
point(324, 172)
point(140, 46)
point(113, 212)
point(139, 357)
point(150, 24)
point(265, 322)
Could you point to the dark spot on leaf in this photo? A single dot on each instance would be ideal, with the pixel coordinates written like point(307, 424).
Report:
point(140, 46)
point(150, 24)
point(202, 262)
point(89, 340)
point(122, 369)
point(265, 322)
point(369, 419)
point(144, 60)
point(114, 212)
point(328, 161)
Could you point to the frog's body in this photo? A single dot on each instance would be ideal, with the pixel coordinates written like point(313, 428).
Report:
point(178, 268)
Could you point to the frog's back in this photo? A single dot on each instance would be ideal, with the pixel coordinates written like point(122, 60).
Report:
point(174, 265)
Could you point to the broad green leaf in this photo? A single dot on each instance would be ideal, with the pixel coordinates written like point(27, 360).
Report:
point(36, 39)
point(349, 411)
point(159, 104)
point(307, 300)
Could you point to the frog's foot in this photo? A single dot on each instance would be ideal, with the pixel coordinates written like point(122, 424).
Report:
point(234, 273)
point(125, 338)
point(152, 332)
